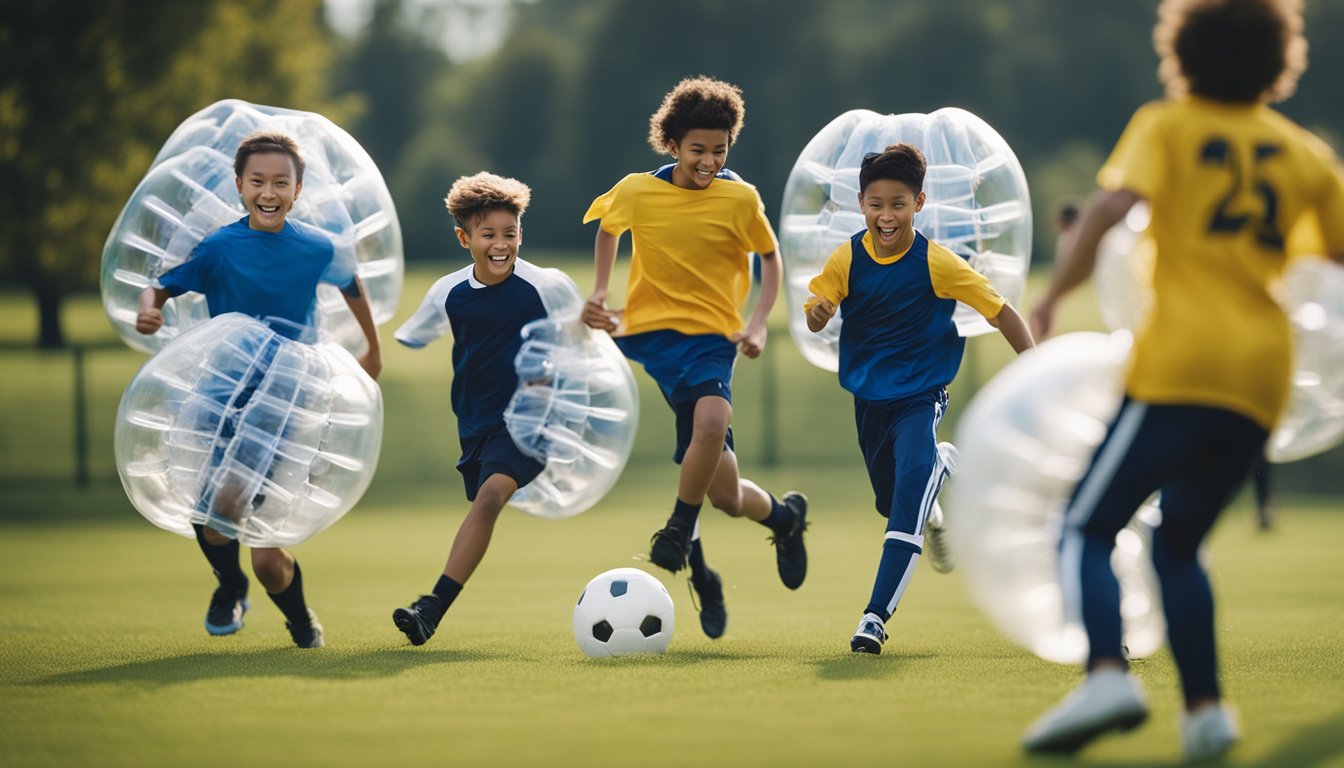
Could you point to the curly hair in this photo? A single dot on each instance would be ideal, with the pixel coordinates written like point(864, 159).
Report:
point(898, 162)
point(697, 102)
point(474, 196)
point(1244, 51)
point(262, 142)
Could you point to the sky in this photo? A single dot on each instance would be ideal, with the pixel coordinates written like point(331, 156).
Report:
point(469, 28)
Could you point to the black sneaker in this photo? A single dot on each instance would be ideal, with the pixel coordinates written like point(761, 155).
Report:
point(870, 635)
point(308, 634)
point(225, 614)
point(790, 554)
point(713, 613)
point(420, 620)
point(671, 545)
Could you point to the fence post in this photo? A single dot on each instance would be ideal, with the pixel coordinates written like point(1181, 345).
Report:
point(81, 419)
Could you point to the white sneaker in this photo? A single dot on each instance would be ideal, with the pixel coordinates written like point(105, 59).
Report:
point(870, 635)
point(1107, 699)
point(1208, 732)
point(939, 548)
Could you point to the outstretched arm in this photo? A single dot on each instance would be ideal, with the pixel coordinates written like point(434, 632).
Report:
point(1075, 264)
point(1013, 328)
point(149, 315)
point(372, 360)
point(752, 337)
point(595, 312)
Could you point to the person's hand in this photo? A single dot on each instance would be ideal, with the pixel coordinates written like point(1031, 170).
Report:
point(372, 363)
point(596, 314)
point(751, 340)
point(821, 312)
point(1043, 319)
point(149, 321)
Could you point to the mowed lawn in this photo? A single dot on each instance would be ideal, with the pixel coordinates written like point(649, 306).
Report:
point(104, 660)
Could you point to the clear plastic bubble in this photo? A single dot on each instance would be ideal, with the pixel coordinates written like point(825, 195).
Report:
point(1123, 276)
point(1314, 419)
point(1025, 441)
point(189, 192)
point(622, 612)
point(977, 205)
point(576, 407)
point(234, 426)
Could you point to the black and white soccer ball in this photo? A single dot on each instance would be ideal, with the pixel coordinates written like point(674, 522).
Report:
point(621, 612)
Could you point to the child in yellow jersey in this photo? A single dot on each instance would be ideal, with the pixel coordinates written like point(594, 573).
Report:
point(899, 349)
point(1226, 178)
point(694, 224)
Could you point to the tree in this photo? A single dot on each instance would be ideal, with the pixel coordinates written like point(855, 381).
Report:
point(89, 91)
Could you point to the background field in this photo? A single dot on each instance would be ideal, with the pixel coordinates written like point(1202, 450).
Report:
point(103, 660)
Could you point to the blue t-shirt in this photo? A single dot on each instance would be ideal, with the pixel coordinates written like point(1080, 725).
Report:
point(263, 274)
point(486, 323)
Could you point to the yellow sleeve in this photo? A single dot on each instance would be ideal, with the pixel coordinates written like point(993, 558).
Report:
point(760, 235)
point(833, 282)
point(953, 278)
point(613, 208)
point(1138, 162)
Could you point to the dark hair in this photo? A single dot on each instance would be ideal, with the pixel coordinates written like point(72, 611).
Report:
point(1242, 51)
point(697, 102)
point(474, 196)
point(898, 162)
point(262, 142)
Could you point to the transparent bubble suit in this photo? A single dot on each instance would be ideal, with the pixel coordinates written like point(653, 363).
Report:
point(576, 407)
point(977, 205)
point(234, 426)
point(189, 192)
point(1025, 441)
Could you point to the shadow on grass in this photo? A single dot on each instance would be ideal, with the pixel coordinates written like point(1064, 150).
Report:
point(274, 662)
point(863, 666)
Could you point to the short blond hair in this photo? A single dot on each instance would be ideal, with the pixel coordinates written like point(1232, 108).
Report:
point(471, 197)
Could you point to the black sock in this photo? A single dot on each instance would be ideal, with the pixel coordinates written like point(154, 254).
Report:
point(447, 591)
point(224, 559)
point(686, 513)
point(290, 602)
point(699, 570)
point(780, 519)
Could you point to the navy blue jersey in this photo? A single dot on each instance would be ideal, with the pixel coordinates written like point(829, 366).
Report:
point(262, 274)
point(486, 322)
point(665, 173)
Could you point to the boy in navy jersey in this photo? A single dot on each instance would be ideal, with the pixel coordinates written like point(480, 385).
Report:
point(485, 305)
point(1227, 179)
point(268, 267)
point(899, 349)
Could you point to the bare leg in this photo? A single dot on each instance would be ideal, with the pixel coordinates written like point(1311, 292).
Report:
point(473, 538)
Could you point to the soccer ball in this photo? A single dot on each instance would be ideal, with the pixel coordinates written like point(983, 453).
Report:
point(621, 612)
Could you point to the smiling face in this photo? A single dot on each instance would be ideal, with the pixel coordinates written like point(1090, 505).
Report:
point(700, 155)
point(269, 187)
point(493, 241)
point(889, 209)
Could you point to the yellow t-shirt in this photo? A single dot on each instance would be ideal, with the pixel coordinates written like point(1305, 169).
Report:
point(689, 271)
point(1226, 184)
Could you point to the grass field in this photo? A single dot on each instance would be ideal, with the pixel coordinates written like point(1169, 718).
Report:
point(103, 659)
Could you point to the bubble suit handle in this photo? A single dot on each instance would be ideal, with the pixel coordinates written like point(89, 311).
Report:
point(977, 205)
point(576, 408)
point(189, 192)
point(234, 426)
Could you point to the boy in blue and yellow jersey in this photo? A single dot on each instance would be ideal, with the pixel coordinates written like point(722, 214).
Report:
point(485, 305)
point(693, 224)
point(268, 267)
point(899, 349)
point(1227, 178)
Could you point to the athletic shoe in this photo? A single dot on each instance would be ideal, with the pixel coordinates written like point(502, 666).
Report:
point(1108, 699)
point(870, 635)
point(225, 614)
point(713, 613)
point(671, 545)
point(790, 554)
point(420, 620)
point(939, 548)
point(308, 634)
point(1208, 732)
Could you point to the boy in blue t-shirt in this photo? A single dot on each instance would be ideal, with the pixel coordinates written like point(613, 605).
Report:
point(899, 349)
point(268, 267)
point(485, 305)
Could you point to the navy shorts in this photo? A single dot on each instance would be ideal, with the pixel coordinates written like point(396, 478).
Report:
point(899, 442)
point(233, 390)
point(685, 368)
point(495, 454)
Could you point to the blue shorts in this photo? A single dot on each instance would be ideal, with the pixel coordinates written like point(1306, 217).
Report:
point(899, 442)
point(685, 368)
point(495, 454)
point(247, 452)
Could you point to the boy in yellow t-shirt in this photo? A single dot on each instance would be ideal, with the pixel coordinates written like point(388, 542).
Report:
point(693, 224)
point(1226, 178)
